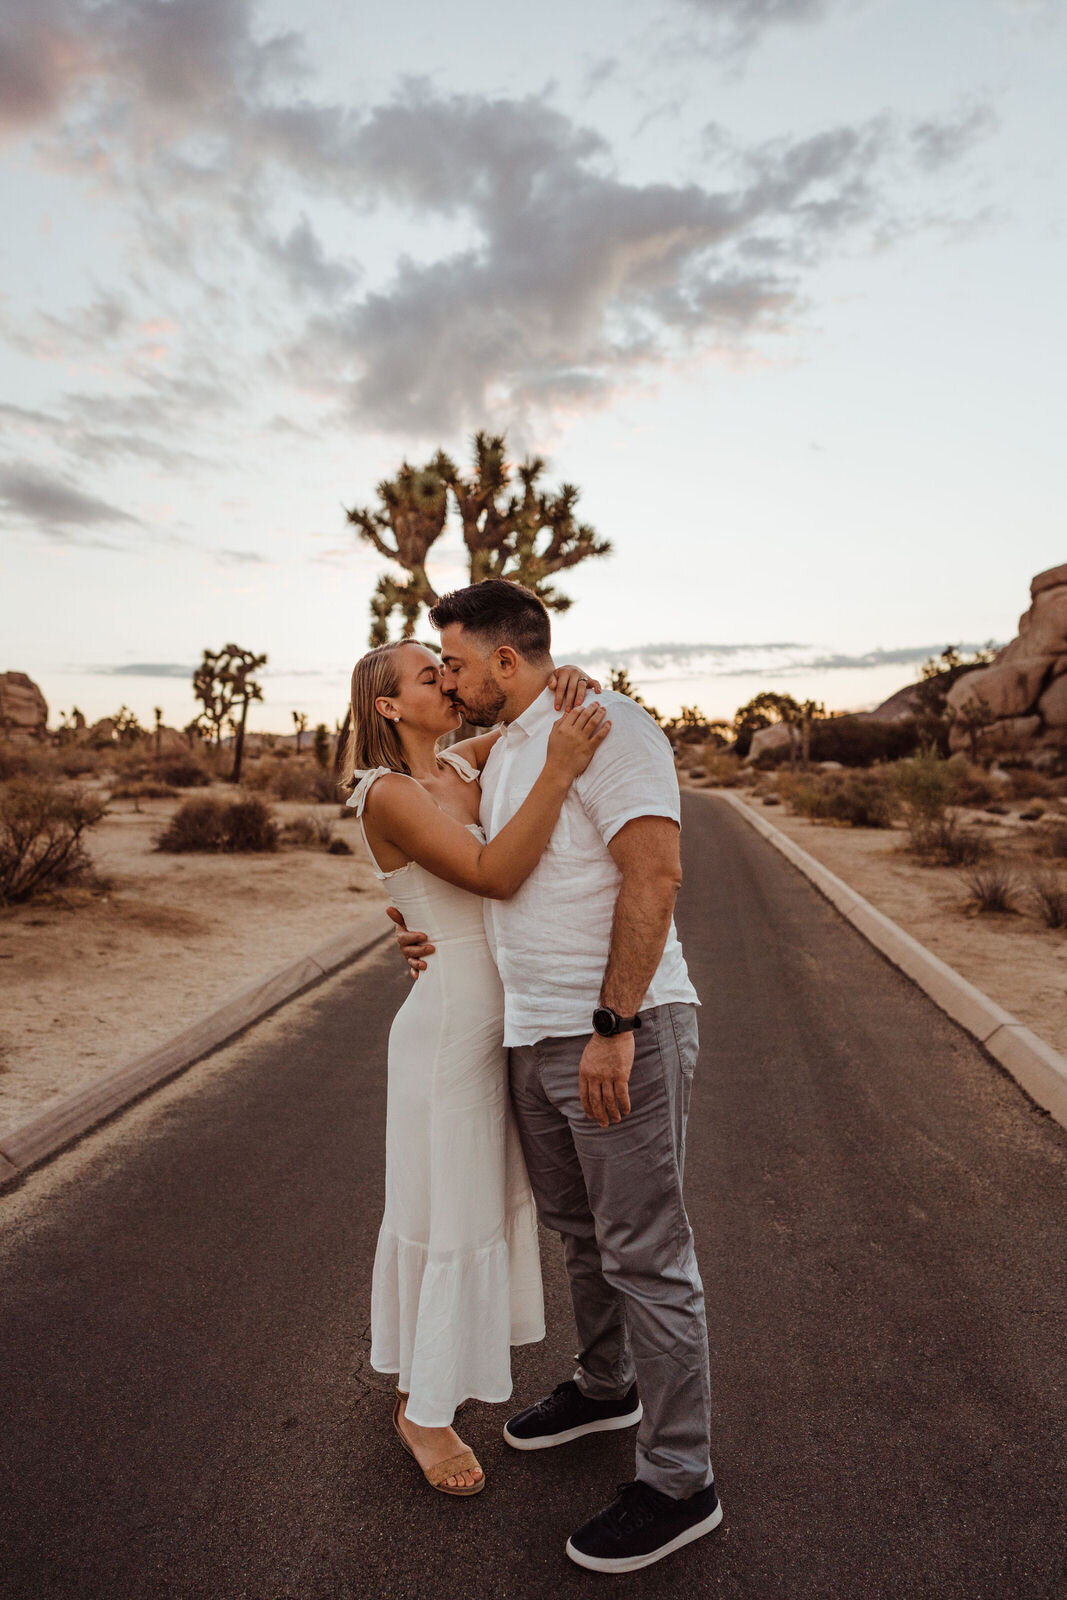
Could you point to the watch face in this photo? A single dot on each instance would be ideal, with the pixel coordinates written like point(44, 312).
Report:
point(604, 1021)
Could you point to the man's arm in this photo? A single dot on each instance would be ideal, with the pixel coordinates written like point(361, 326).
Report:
point(647, 852)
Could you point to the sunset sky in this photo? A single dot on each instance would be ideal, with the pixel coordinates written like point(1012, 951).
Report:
point(778, 283)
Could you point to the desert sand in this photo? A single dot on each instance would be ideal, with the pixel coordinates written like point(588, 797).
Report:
point(93, 977)
point(1014, 959)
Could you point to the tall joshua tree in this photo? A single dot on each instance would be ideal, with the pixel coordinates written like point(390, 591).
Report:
point(512, 528)
point(222, 683)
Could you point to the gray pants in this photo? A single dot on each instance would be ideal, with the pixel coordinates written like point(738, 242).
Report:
point(614, 1195)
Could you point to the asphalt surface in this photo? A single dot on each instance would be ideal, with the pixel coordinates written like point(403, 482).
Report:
point(881, 1220)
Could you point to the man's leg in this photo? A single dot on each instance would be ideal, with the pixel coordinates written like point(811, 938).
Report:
point(632, 1174)
point(606, 1369)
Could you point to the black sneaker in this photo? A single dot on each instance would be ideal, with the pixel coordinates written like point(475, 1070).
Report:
point(566, 1414)
point(643, 1526)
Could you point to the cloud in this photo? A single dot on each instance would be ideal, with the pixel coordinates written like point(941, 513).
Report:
point(236, 558)
point(54, 505)
point(939, 143)
point(733, 26)
point(143, 669)
point(570, 283)
point(674, 662)
point(576, 281)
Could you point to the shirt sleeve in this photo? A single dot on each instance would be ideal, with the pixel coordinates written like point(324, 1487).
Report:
point(632, 774)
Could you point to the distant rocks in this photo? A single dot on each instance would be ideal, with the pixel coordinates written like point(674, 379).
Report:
point(1017, 706)
point(23, 708)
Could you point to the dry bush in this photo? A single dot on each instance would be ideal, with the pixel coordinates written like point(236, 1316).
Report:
point(182, 772)
point(309, 829)
point(338, 847)
point(972, 784)
point(1026, 784)
point(723, 771)
point(41, 827)
point(948, 844)
point(143, 789)
point(1054, 841)
point(1049, 895)
point(208, 824)
point(857, 799)
point(992, 887)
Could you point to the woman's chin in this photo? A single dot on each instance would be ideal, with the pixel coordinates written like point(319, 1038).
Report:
point(453, 720)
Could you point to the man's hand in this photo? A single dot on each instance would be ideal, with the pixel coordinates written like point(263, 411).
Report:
point(603, 1078)
point(414, 947)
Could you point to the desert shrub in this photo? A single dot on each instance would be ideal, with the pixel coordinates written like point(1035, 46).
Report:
point(724, 771)
point(142, 790)
point(338, 847)
point(925, 785)
point(1026, 784)
point(992, 887)
point(295, 780)
point(858, 799)
point(1049, 895)
point(19, 758)
point(308, 830)
point(1054, 842)
point(77, 761)
point(947, 843)
point(41, 827)
point(972, 785)
point(250, 825)
point(208, 824)
point(183, 773)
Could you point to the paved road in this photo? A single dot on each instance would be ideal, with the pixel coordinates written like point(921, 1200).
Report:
point(881, 1218)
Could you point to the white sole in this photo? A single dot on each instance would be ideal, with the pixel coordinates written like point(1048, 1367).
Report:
point(632, 1563)
point(548, 1441)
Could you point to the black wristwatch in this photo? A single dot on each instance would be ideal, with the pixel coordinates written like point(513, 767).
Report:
point(608, 1023)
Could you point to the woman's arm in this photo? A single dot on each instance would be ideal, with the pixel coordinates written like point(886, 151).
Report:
point(404, 814)
point(476, 750)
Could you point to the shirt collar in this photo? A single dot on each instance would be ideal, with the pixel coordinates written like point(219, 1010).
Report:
point(536, 713)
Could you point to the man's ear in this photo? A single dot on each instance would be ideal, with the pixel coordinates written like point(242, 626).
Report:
point(506, 660)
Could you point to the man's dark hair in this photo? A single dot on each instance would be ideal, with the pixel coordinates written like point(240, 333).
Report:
point(499, 612)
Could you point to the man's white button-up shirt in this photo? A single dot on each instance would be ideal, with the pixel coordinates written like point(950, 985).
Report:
point(550, 941)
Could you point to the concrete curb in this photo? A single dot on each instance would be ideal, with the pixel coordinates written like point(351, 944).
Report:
point(27, 1144)
point(1034, 1065)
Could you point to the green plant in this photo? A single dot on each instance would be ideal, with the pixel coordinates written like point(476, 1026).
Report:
point(992, 888)
point(925, 785)
point(41, 828)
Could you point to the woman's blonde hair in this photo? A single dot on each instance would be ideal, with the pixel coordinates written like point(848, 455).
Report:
point(372, 738)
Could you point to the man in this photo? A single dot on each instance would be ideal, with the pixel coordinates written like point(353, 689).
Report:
point(600, 1021)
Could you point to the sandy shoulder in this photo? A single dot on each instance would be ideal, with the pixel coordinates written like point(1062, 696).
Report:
point(1015, 960)
point(90, 980)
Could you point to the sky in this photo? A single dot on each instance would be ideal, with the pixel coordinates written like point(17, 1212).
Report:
point(776, 283)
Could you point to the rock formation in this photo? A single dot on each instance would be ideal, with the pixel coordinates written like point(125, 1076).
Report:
point(1017, 706)
point(23, 708)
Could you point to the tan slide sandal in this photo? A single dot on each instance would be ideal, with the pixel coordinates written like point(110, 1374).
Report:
point(464, 1461)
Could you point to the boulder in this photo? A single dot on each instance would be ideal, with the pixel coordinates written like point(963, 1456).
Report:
point(1005, 689)
point(776, 737)
point(1052, 706)
point(1052, 578)
point(23, 708)
point(1042, 629)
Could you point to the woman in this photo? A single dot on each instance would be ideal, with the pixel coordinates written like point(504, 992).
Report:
point(457, 1276)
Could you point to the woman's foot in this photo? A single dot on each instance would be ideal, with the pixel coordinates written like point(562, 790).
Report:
point(431, 1445)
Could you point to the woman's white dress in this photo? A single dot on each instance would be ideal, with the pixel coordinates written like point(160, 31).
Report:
point(457, 1276)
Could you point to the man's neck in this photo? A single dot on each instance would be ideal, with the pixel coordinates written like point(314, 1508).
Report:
point(523, 695)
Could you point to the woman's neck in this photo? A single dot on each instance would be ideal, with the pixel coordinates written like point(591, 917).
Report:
point(420, 753)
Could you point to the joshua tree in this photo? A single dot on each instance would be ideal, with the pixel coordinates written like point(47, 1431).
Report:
point(222, 682)
point(518, 531)
point(157, 712)
point(320, 745)
point(300, 723)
